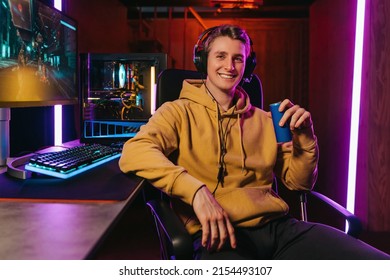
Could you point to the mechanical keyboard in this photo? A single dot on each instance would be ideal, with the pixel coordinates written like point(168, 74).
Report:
point(72, 161)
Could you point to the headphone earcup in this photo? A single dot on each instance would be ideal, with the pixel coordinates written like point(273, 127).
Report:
point(199, 53)
point(250, 65)
point(200, 59)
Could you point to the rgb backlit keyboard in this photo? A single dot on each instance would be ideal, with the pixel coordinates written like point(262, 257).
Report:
point(72, 161)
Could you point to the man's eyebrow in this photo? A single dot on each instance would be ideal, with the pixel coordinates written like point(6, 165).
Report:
point(220, 52)
point(224, 53)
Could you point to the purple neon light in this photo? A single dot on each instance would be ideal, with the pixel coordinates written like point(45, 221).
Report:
point(58, 4)
point(58, 108)
point(355, 108)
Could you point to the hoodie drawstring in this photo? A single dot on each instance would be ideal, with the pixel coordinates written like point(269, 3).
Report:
point(222, 138)
point(241, 143)
point(218, 135)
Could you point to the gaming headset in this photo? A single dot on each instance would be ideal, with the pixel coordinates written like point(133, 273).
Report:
point(200, 55)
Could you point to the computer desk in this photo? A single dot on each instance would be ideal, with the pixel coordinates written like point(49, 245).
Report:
point(46, 218)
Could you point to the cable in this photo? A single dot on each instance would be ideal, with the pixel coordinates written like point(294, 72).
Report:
point(223, 138)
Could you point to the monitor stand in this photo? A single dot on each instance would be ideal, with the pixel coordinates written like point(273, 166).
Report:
point(13, 165)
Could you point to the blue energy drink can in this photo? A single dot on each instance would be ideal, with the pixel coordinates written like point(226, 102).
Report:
point(283, 133)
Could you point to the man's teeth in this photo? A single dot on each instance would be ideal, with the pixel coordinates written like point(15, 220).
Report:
point(227, 76)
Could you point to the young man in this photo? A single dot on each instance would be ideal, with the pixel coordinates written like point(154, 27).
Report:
point(216, 156)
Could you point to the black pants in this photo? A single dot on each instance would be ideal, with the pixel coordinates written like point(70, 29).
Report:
point(290, 239)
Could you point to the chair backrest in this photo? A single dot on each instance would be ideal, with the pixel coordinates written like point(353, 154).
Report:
point(170, 81)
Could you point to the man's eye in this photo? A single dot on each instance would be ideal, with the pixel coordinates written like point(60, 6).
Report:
point(239, 59)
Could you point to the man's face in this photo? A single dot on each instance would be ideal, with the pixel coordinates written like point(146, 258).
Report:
point(225, 64)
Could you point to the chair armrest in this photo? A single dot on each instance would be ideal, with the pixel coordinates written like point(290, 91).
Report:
point(173, 229)
point(354, 224)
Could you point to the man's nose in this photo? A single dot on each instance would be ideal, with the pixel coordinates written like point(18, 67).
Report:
point(229, 64)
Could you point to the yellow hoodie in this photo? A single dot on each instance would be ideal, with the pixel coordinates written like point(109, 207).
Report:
point(186, 141)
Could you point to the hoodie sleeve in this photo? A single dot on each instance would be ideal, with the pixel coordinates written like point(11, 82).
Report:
point(147, 154)
point(297, 163)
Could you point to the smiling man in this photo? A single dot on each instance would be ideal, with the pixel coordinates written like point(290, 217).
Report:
point(226, 156)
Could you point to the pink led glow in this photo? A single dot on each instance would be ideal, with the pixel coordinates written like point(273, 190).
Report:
point(153, 87)
point(58, 4)
point(57, 125)
point(355, 108)
point(58, 108)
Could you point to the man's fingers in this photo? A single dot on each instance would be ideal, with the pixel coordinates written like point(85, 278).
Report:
point(214, 237)
point(223, 234)
point(205, 234)
point(232, 236)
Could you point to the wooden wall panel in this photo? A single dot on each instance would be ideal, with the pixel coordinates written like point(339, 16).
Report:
point(332, 29)
point(374, 170)
point(281, 48)
point(102, 25)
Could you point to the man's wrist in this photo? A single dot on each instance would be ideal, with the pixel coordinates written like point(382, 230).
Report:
point(196, 192)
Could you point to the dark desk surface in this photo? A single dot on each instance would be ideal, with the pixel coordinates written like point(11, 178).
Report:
point(45, 218)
